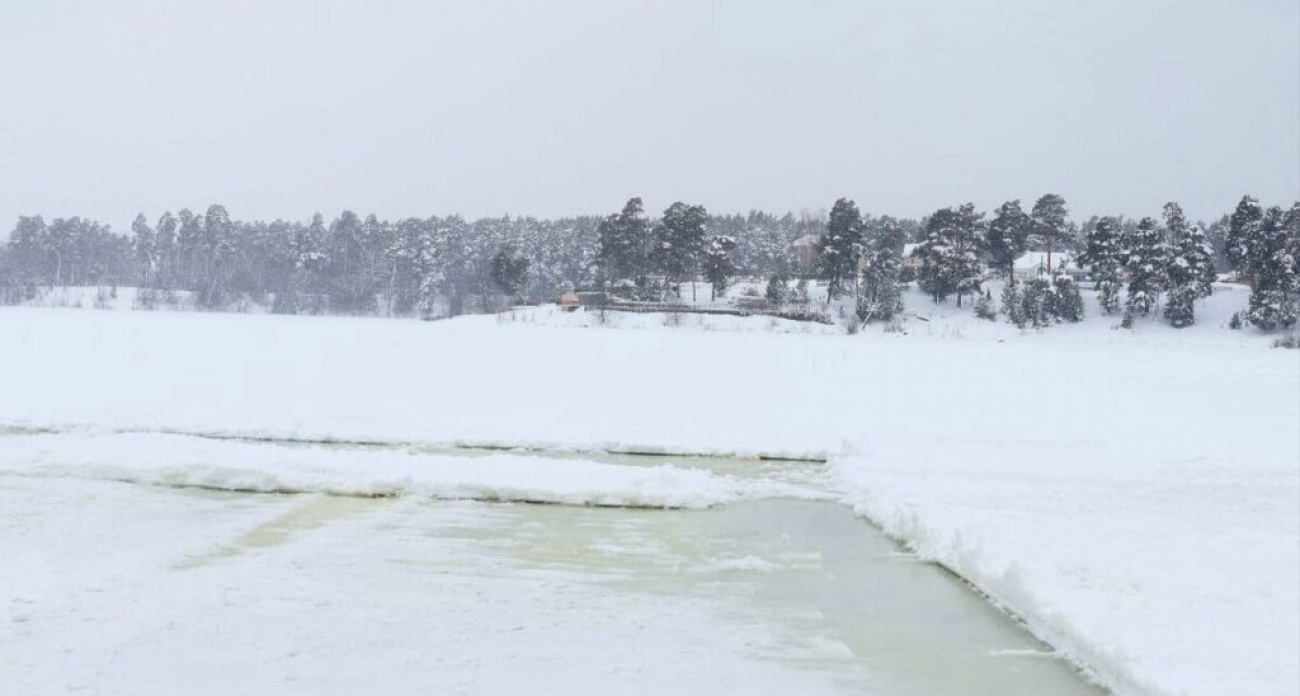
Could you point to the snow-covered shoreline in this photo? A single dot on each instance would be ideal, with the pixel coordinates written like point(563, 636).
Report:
point(1133, 496)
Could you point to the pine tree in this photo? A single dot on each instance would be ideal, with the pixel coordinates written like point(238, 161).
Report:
point(880, 294)
point(778, 289)
point(28, 246)
point(1036, 302)
point(188, 240)
point(1175, 223)
point(950, 260)
point(624, 241)
point(1275, 266)
point(345, 274)
point(1007, 238)
point(217, 247)
point(145, 245)
point(1013, 305)
point(838, 250)
point(1243, 228)
point(1066, 302)
point(679, 241)
point(1105, 257)
point(719, 268)
point(1051, 226)
point(165, 236)
point(984, 307)
point(309, 262)
point(1195, 248)
point(509, 271)
point(1146, 264)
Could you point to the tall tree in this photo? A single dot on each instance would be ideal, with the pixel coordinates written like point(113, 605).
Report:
point(624, 244)
point(1105, 256)
point(217, 247)
point(1146, 264)
point(1190, 274)
point(880, 294)
point(1051, 224)
point(679, 241)
point(1008, 238)
point(145, 245)
point(838, 249)
point(1243, 230)
point(1175, 222)
point(165, 236)
point(1275, 268)
point(509, 271)
point(719, 266)
point(950, 259)
point(28, 246)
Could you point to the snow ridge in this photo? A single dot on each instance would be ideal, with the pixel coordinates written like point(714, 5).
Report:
point(182, 461)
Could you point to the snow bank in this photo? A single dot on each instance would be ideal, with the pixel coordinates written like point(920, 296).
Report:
point(172, 460)
point(1164, 568)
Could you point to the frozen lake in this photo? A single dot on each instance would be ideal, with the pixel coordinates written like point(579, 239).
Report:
point(123, 588)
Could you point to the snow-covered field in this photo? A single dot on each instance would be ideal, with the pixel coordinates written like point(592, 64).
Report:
point(1133, 496)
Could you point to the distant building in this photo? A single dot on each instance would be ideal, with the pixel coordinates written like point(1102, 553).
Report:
point(1032, 263)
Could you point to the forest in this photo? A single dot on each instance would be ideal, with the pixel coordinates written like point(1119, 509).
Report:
point(446, 266)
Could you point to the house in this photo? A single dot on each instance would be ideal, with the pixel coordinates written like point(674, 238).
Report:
point(1032, 263)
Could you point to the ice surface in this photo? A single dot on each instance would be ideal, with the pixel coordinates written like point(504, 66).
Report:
point(153, 590)
point(1133, 495)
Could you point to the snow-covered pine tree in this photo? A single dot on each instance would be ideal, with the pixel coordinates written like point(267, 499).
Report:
point(1007, 238)
point(1013, 304)
point(1065, 302)
point(344, 274)
point(165, 236)
point(1275, 268)
point(1146, 264)
point(1051, 226)
point(880, 295)
point(509, 272)
point(1036, 302)
point(950, 259)
point(719, 268)
point(27, 247)
point(1175, 222)
point(1195, 247)
point(679, 241)
point(1243, 229)
point(188, 239)
point(145, 246)
point(778, 289)
point(216, 248)
point(1105, 257)
point(623, 241)
point(839, 248)
point(984, 307)
point(309, 260)
point(1190, 274)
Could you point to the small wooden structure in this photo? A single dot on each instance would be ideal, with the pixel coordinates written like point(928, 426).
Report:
point(569, 302)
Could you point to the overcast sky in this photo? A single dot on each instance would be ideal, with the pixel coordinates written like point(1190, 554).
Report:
point(280, 108)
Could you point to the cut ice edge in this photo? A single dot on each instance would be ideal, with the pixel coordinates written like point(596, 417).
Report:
point(1096, 663)
point(431, 446)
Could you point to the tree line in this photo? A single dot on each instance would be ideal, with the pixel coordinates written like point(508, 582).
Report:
point(449, 265)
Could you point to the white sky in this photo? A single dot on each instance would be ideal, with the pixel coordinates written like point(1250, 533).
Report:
point(280, 108)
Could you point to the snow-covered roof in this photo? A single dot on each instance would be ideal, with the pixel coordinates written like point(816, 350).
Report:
point(1038, 259)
